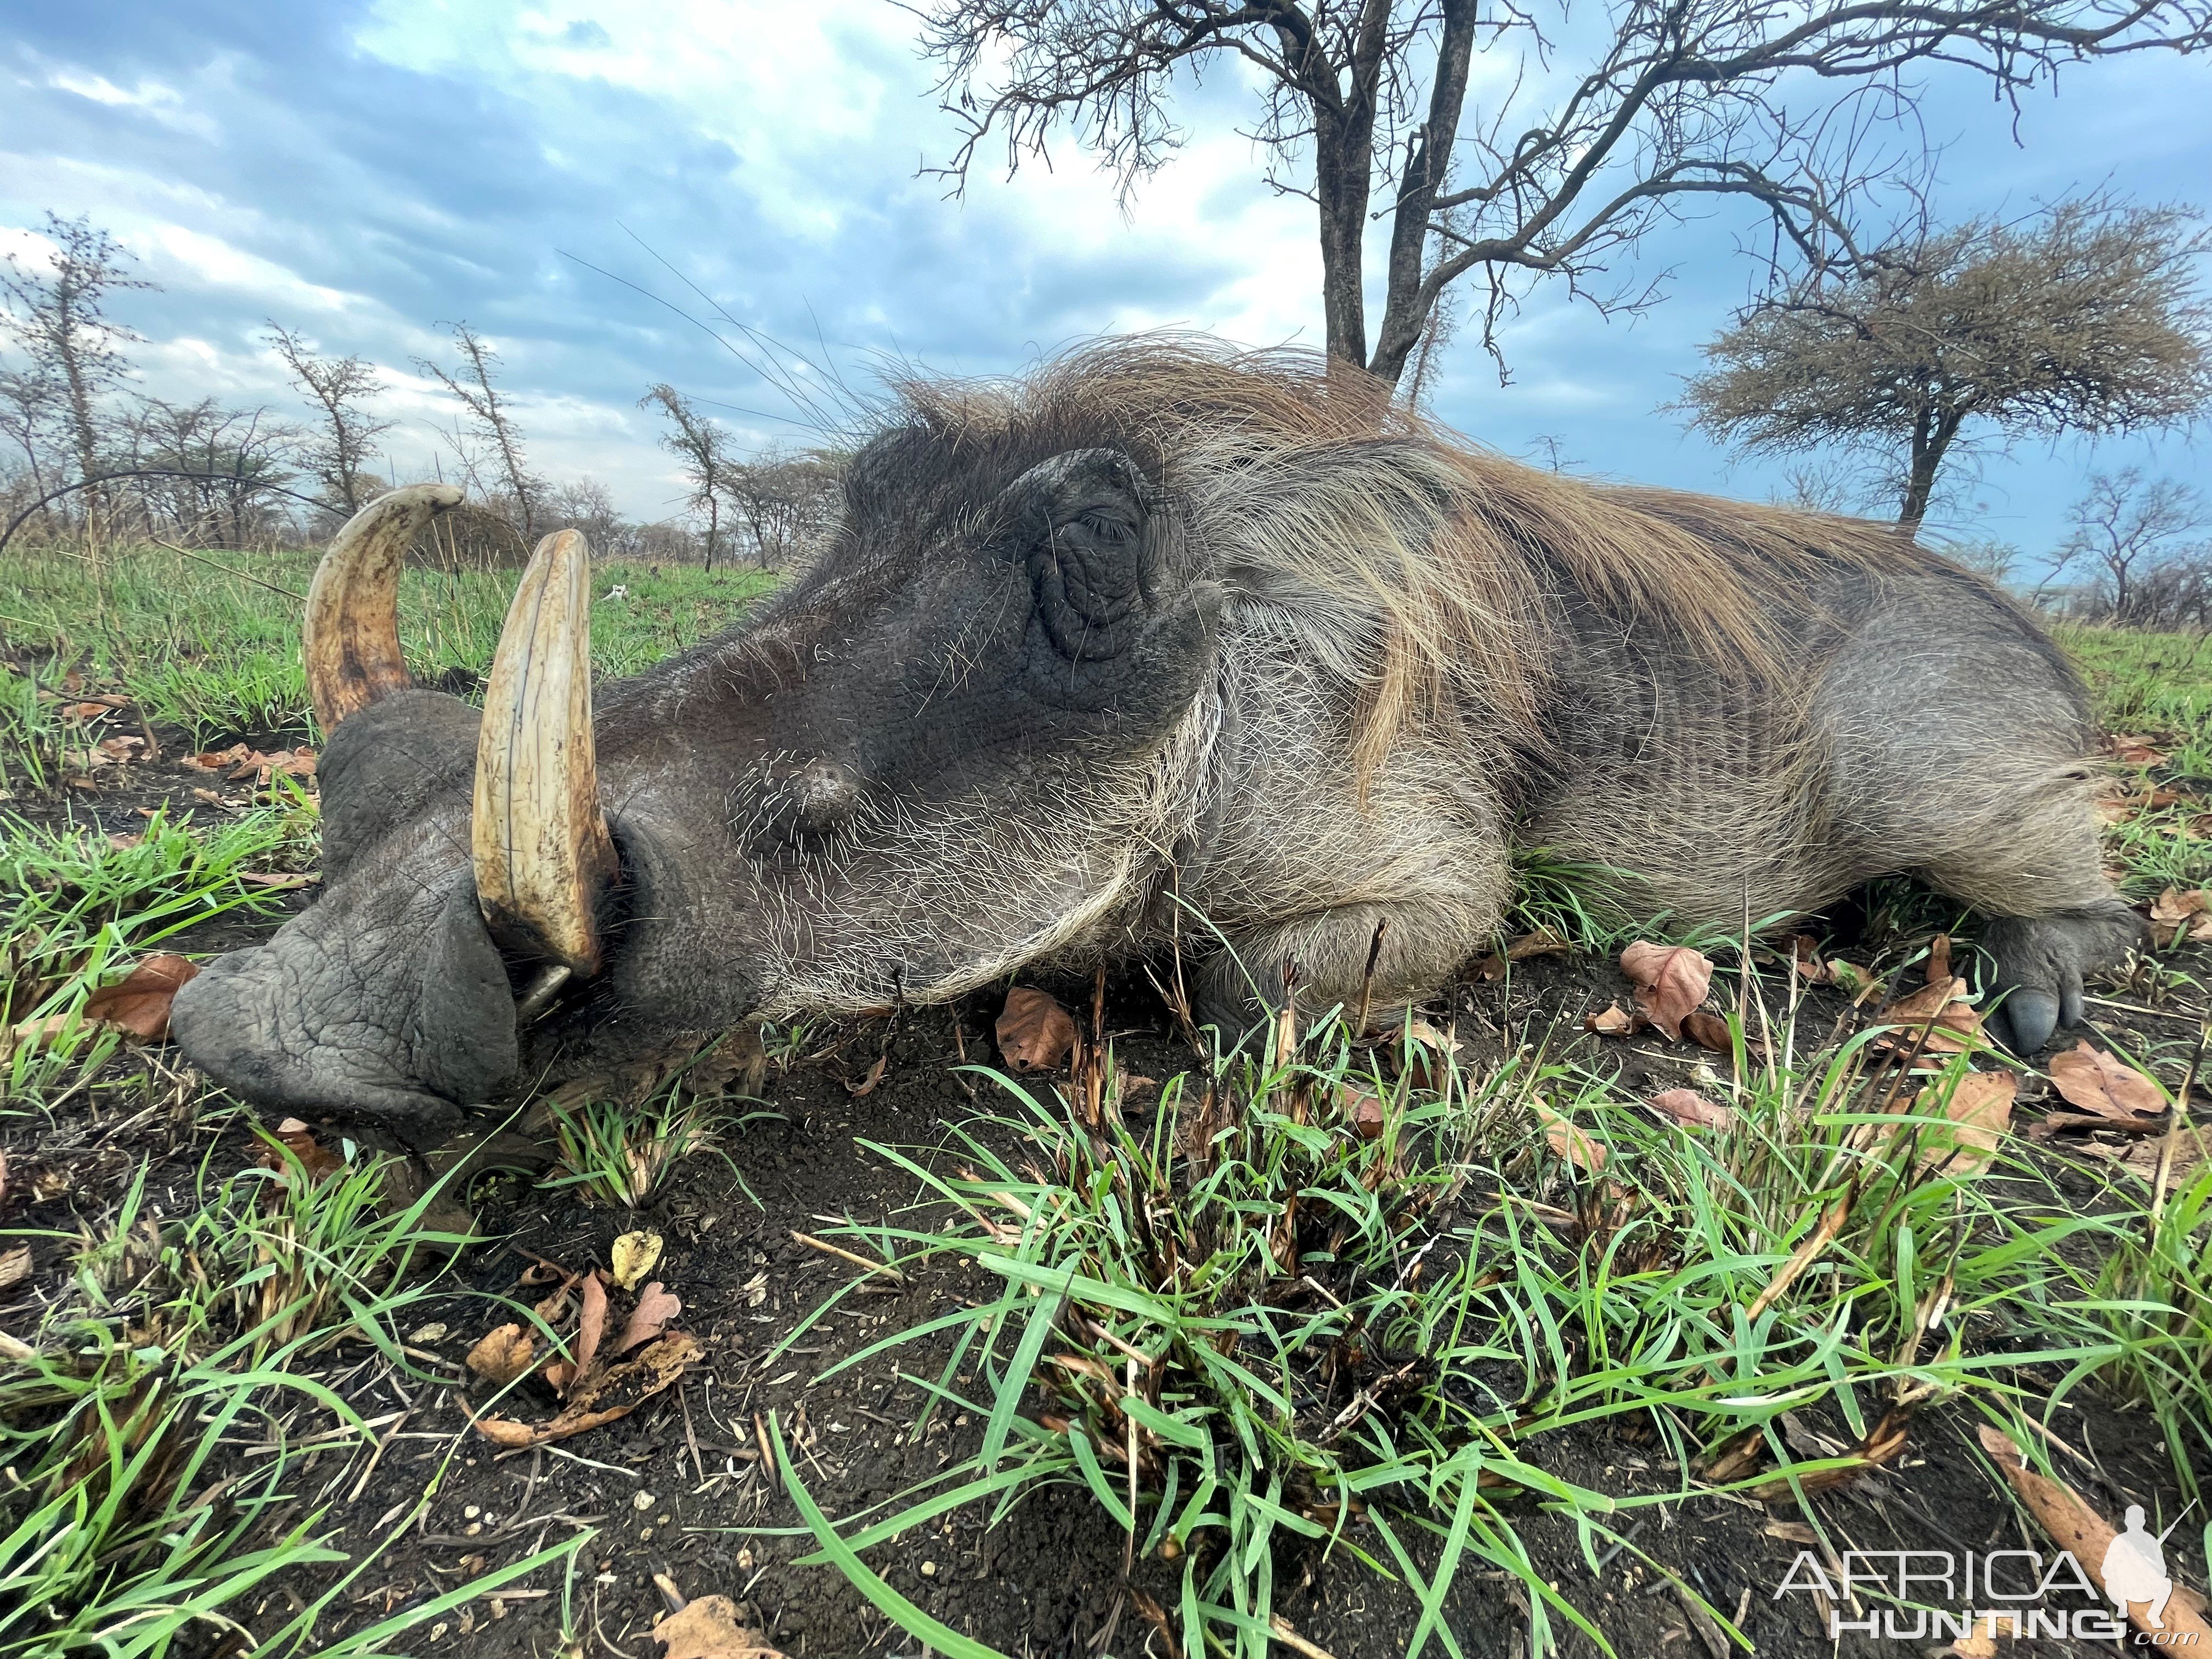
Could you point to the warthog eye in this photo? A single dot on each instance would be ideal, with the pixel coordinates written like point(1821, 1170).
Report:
point(1084, 522)
point(817, 798)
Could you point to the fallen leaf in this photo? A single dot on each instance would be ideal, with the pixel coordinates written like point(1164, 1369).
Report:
point(630, 1383)
point(1670, 980)
point(1034, 1033)
point(1805, 954)
point(1976, 1645)
point(1883, 1442)
point(635, 1256)
point(1939, 960)
point(1428, 1052)
point(1568, 1141)
point(874, 1080)
point(2074, 1526)
point(2103, 1087)
point(2175, 914)
point(279, 883)
point(1708, 1031)
point(502, 1355)
point(591, 1325)
point(1937, 1017)
point(1854, 982)
point(1490, 970)
point(122, 748)
point(1692, 1110)
point(1976, 1115)
point(123, 843)
point(139, 1005)
point(318, 1161)
point(655, 1308)
point(218, 760)
point(710, 1628)
point(2130, 750)
point(1541, 942)
point(1366, 1114)
point(15, 1267)
point(1614, 1021)
point(2053, 1122)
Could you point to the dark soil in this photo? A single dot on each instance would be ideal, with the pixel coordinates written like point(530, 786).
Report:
point(681, 1504)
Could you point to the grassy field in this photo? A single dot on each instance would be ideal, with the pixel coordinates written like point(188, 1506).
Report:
point(1311, 1299)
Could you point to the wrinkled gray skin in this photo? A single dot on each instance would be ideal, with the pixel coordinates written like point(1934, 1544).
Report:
point(1021, 689)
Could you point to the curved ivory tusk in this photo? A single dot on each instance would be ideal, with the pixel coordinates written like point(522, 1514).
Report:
point(540, 847)
point(351, 636)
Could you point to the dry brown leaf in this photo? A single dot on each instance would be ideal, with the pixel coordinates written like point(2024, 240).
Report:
point(502, 1355)
point(2174, 912)
point(1805, 956)
point(1670, 980)
point(2074, 1526)
point(1939, 960)
point(1883, 1442)
point(139, 1005)
point(1366, 1114)
point(1541, 942)
point(1711, 1031)
point(1428, 1052)
point(1570, 1142)
point(1937, 1017)
point(1735, 1458)
point(604, 1395)
point(1613, 1021)
point(15, 1267)
point(1976, 1645)
point(710, 1628)
point(635, 1256)
point(874, 1080)
point(1692, 1110)
point(2103, 1087)
point(592, 1324)
point(1975, 1118)
point(656, 1307)
point(1490, 970)
point(2130, 750)
point(1034, 1033)
point(2053, 1122)
point(319, 1161)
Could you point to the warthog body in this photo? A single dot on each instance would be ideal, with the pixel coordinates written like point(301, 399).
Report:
point(1163, 631)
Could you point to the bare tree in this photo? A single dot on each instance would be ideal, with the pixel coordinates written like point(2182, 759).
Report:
point(217, 460)
point(1550, 173)
point(475, 384)
point(786, 503)
point(702, 449)
point(59, 317)
point(2085, 318)
point(2124, 529)
point(338, 457)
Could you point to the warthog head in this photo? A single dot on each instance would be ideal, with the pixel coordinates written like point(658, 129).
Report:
point(951, 748)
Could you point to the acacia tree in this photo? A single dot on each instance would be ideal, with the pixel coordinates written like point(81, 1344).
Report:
point(1554, 171)
point(785, 502)
point(2085, 318)
point(57, 316)
point(339, 387)
point(702, 449)
point(474, 386)
point(2126, 529)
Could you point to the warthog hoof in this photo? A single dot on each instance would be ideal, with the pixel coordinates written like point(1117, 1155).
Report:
point(2037, 966)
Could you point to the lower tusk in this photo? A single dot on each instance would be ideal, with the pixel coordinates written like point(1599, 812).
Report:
point(540, 848)
point(350, 640)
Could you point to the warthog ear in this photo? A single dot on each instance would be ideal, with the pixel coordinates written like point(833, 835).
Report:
point(1089, 527)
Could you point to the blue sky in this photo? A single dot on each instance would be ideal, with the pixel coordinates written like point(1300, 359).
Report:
point(363, 172)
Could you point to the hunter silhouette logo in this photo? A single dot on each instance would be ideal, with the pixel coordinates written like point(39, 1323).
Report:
point(2135, 1568)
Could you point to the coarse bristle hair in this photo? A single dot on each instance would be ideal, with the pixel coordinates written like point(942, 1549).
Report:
point(1420, 566)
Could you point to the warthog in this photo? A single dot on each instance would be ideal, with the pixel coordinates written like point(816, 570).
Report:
point(1163, 638)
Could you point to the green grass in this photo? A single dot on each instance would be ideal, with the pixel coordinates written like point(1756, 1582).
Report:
point(216, 651)
point(170, 1336)
point(76, 909)
point(1226, 1287)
